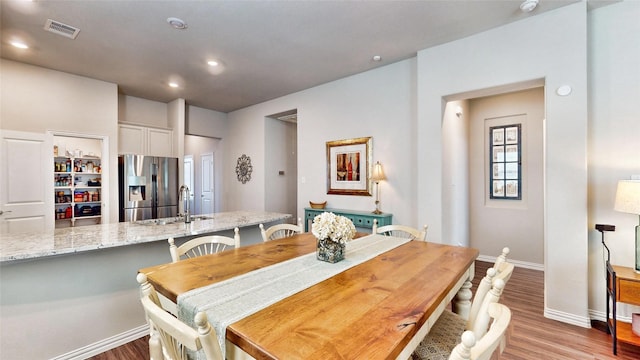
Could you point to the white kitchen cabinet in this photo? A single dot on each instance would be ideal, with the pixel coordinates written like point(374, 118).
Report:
point(142, 140)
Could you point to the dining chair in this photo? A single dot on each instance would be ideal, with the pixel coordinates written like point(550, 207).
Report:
point(501, 258)
point(401, 231)
point(280, 231)
point(169, 337)
point(446, 332)
point(473, 348)
point(203, 245)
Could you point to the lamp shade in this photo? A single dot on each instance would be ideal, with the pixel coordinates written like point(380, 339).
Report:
point(628, 197)
point(378, 174)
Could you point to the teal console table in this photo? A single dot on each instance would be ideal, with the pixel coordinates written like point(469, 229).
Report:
point(361, 219)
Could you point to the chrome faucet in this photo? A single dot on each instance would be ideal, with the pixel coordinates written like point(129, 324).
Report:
point(185, 195)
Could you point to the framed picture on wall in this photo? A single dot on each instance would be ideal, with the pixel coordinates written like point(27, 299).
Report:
point(349, 166)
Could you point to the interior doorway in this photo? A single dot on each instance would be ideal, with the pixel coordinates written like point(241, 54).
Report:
point(201, 175)
point(473, 215)
point(497, 220)
point(281, 163)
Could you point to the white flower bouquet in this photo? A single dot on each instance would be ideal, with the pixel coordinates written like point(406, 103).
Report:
point(329, 226)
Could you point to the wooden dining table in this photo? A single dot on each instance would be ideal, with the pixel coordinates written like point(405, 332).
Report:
point(379, 309)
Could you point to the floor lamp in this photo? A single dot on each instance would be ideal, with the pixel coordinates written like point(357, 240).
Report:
point(376, 177)
point(628, 201)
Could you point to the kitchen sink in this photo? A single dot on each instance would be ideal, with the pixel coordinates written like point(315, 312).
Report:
point(159, 221)
point(201, 217)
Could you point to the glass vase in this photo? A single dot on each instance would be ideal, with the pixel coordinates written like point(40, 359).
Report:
point(330, 251)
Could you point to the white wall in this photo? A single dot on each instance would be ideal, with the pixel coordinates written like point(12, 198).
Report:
point(614, 137)
point(281, 155)
point(205, 122)
point(455, 173)
point(142, 111)
point(39, 100)
point(401, 106)
point(212, 124)
point(376, 103)
point(551, 45)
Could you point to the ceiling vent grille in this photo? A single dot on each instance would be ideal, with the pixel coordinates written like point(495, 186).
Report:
point(59, 28)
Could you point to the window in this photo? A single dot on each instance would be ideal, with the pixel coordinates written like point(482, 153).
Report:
point(505, 165)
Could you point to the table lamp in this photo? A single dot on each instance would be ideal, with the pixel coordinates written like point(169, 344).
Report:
point(628, 201)
point(376, 177)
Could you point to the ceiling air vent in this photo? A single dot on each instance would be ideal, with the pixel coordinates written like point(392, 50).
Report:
point(59, 28)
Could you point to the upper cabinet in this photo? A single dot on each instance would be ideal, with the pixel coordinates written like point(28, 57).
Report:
point(142, 140)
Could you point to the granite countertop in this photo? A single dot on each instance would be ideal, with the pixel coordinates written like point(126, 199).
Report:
point(34, 245)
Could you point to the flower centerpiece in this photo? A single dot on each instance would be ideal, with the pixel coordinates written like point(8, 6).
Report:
point(332, 231)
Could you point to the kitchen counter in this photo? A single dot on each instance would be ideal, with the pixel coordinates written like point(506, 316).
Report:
point(14, 247)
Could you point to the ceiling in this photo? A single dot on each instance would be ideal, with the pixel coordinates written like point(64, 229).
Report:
point(267, 48)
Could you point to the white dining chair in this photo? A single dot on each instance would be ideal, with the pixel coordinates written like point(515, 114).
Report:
point(169, 337)
point(401, 231)
point(501, 258)
point(494, 340)
point(445, 333)
point(279, 231)
point(203, 245)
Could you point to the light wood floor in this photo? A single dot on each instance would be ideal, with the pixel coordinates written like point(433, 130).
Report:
point(533, 336)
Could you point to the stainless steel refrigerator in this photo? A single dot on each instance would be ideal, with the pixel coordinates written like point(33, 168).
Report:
point(148, 187)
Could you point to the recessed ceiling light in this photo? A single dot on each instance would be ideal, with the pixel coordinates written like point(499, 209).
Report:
point(377, 58)
point(19, 45)
point(213, 63)
point(528, 5)
point(173, 85)
point(177, 23)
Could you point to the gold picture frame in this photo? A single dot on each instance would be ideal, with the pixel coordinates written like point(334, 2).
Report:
point(349, 166)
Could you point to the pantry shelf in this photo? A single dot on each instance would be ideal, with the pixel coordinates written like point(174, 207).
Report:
point(77, 190)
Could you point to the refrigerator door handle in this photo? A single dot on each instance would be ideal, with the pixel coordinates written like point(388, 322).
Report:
point(154, 190)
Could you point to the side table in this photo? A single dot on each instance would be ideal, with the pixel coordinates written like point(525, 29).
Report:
point(623, 285)
point(361, 219)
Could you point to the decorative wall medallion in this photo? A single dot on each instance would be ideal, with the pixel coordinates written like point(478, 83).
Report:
point(244, 169)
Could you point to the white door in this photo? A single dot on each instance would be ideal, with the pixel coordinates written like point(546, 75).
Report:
point(188, 180)
point(206, 196)
point(26, 182)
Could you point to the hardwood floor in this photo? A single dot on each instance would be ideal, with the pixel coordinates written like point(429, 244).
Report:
point(533, 337)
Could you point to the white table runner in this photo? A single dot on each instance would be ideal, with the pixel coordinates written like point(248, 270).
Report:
point(231, 300)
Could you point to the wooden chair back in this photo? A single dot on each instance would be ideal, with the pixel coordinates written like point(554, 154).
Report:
point(203, 245)
point(170, 338)
point(480, 324)
point(483, 288)
point(490, 287)
point(280, 231)
point(401, 231)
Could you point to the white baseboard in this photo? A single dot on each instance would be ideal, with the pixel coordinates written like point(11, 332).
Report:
point(572, 319)
point(600, 316)
point(105, 344)
point(516, 263)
